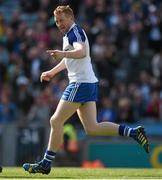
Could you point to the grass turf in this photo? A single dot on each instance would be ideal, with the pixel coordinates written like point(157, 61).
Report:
point(79, 173)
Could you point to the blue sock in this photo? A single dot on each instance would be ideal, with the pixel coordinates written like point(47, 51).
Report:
point(126, 131)
point(48, 158)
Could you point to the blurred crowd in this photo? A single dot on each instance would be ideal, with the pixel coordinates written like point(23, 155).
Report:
point(126, 50)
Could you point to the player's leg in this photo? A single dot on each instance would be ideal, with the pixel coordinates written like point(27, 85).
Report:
point(87, 115)
point(63, 111)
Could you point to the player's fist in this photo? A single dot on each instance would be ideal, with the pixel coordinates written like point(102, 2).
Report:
point(46, 76)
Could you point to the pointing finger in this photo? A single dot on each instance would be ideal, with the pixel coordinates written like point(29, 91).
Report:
point(50, 51)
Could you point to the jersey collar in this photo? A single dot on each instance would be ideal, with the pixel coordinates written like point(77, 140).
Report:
point(70, 28)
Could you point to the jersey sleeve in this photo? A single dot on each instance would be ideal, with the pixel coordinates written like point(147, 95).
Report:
point(76, 35)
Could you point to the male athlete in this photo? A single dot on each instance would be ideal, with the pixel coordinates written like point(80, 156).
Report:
point(80, 95)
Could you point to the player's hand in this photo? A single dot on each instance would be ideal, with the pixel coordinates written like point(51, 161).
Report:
point(56, 54)
point(46, 76)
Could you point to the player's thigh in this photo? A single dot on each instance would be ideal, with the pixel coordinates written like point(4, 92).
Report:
point(64, 110)
point(87, 114)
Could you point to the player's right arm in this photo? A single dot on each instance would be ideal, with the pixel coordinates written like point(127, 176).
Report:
point(48, 75)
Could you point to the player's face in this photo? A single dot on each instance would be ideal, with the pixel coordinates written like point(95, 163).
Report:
point(63, 22)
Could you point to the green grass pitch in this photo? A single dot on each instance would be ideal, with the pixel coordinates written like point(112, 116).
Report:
point(80, 173)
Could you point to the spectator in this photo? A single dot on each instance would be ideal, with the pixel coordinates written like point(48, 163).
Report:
point(154, 25)
point(39, 111)
point(7, 109)
point(153, 107)
point(157, 64)
point(125, 110)
point(24, 97)
point(106, 112)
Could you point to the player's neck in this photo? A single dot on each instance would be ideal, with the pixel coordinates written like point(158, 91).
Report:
point(71, 25)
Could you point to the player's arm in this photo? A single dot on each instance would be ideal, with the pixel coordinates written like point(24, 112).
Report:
point(78, 52)
point(59, 67)
point(48, 75)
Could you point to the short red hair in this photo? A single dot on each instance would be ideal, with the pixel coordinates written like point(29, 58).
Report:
point(63, 9)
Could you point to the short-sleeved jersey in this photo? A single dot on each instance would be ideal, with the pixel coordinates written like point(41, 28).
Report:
point(79, 70)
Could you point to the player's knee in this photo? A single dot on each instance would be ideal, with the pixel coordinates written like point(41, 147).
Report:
point(54, 121)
